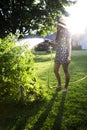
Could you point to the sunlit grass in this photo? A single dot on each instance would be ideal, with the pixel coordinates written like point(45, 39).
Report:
point(77, 67)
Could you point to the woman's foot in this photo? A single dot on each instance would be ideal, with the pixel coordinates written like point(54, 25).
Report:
point(59, 87)
point(65, 90)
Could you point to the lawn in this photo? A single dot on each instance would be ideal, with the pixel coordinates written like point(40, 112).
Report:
point(59, 111)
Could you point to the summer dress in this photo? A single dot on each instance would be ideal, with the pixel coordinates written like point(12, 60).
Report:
point(62, 52)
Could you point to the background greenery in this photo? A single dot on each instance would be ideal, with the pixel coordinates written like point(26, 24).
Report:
point(58, 111)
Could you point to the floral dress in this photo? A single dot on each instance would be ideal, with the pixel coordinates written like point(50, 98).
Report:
point(62, 52)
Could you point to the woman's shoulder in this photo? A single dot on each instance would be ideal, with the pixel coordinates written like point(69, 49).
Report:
point(68, 33)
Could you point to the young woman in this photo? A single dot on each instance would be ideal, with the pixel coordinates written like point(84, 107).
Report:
point(63, 53)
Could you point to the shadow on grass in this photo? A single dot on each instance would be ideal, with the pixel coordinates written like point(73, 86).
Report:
point(58, 120)
point(44, 115)
point(18, 115)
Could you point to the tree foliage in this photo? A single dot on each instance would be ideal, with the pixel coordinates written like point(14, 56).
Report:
point(30, 16)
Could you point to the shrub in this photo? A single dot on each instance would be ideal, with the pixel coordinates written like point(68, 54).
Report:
point(16, 68)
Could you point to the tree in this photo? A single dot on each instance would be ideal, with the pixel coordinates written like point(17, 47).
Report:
point(30, 16)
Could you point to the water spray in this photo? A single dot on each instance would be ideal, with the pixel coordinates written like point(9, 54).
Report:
point(30, 42)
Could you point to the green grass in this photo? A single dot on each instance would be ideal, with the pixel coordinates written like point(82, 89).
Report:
point(60, 111)
point(44, 66)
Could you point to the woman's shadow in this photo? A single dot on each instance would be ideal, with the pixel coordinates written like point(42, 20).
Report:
point(58, 119)
point(44, 115)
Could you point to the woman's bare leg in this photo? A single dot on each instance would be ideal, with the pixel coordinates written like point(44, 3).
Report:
point(56, 71)
point(67, 75)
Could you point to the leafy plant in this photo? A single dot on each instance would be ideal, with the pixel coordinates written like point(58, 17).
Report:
point(16, 69)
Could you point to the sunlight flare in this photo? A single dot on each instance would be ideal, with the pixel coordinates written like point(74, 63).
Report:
point(77, 20)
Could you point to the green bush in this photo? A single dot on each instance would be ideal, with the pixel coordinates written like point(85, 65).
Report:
point(16, 68)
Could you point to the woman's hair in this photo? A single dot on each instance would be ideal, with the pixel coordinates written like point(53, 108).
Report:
point(59, 33)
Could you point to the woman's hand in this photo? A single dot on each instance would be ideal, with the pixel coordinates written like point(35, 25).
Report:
point(69, 58)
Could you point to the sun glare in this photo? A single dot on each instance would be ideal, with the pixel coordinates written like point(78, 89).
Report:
point(77, 20)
